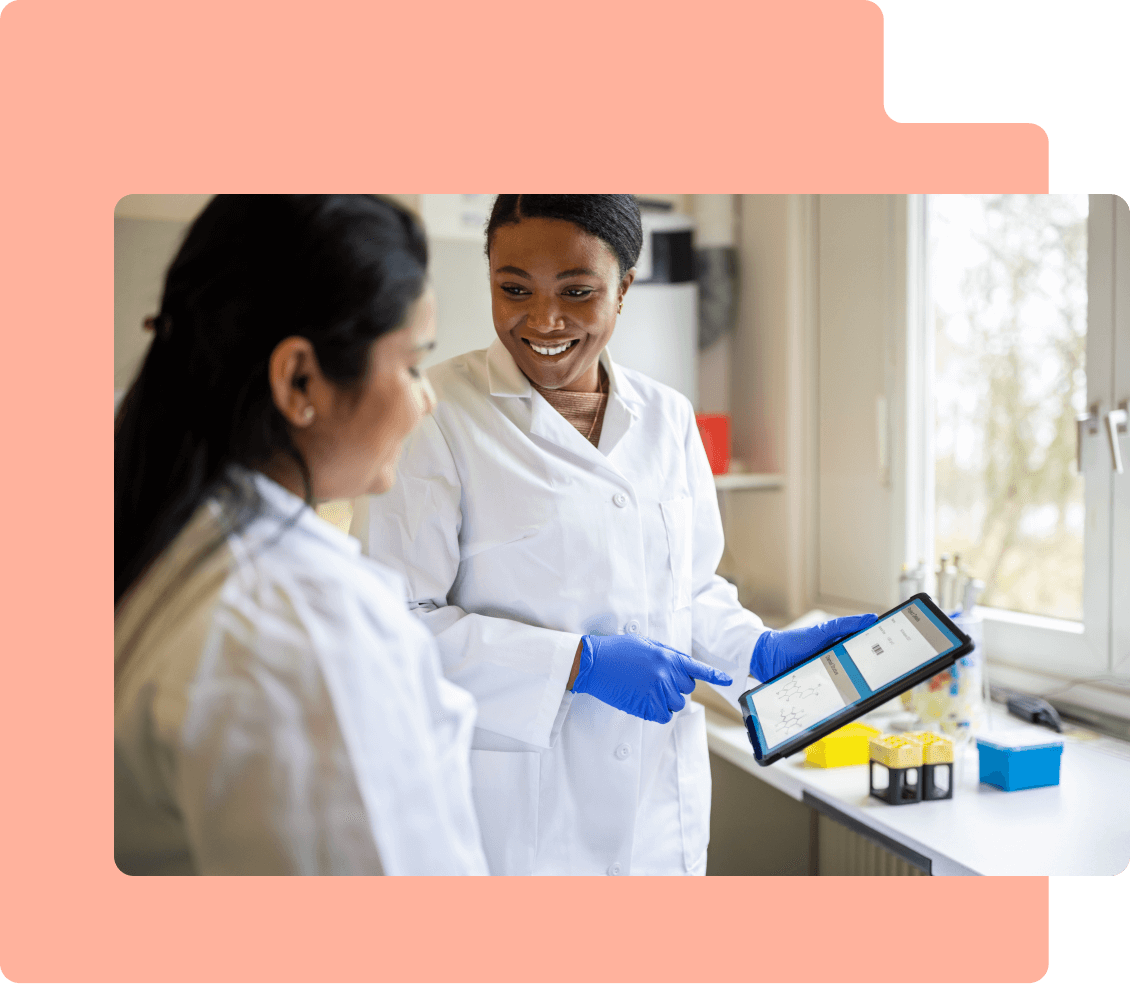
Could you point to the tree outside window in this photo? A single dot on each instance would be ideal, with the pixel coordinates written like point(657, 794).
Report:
point(1009, 282)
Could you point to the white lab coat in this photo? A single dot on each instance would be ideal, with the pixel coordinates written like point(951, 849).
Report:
point(278, 711)
point(516, 537)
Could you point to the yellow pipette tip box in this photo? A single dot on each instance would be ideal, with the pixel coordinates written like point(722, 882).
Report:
point(936, 749)
point(845, 746)
point(896, 751)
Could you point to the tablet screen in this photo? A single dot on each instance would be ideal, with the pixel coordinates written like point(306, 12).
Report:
point(849, 673)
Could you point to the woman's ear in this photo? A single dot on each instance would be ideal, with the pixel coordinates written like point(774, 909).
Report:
point(626, 282)
point(293, 373)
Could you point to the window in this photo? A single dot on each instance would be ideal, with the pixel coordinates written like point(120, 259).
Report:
point(1026, 329)
point(1008, 275)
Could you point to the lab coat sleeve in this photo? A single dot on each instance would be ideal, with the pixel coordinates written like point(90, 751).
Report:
point(516, 672)
point(723, 632)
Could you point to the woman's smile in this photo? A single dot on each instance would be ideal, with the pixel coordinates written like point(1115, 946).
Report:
point(555, 294)
point(552, 350)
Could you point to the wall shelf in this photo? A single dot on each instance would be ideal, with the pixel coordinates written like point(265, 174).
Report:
point(734, 481)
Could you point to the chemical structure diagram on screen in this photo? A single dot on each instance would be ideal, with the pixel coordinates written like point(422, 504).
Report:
point(791, 718)
point(793, 696)
point(793, 691)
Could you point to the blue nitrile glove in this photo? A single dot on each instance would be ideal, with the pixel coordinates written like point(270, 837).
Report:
point(775, 652)
point(640, 676)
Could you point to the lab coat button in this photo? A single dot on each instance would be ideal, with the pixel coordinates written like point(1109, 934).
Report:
point(633, 627)
point(623, 751)
point(614, 868)
point(620, 499)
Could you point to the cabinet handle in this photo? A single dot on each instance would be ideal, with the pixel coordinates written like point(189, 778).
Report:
point(1115, 425)
point(882, 436)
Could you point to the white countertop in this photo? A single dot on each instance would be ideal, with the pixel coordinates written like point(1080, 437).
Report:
point(1080, 827)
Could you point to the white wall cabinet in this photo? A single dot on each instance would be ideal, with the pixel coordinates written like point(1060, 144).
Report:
point(861, 337)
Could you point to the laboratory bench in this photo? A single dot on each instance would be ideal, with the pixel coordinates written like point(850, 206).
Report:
point(1080, 827)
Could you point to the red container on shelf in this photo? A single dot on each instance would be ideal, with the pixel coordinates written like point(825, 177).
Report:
point(715, 431)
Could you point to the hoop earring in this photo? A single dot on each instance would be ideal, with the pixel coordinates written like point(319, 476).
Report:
point(620, 309)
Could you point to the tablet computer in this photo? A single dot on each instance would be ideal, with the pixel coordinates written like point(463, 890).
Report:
point(905, 646)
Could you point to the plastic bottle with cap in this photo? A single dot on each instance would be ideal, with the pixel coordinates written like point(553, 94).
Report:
point(955, 586)
point(961, 582)
point(970, 594)
point(965, 714)
point(947, 576)
point(954, 700)
point(912, 581)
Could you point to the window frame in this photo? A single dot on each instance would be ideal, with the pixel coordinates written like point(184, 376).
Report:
point(1019, 646)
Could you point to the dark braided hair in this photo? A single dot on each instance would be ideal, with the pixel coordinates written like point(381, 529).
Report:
point(613, 219)
point(339, 270)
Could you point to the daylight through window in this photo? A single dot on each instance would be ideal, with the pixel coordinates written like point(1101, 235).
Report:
point(1009, 284)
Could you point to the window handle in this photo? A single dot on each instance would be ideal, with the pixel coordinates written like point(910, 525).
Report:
point(1090, 420)
point(1115, 425)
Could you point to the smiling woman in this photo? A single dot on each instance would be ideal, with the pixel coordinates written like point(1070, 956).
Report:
point(560, 268)
point(557, 523)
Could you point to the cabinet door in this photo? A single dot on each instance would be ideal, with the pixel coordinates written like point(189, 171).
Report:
point(861, 327)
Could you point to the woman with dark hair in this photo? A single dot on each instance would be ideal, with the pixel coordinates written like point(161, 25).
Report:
point(277, 710)
point(557, 523)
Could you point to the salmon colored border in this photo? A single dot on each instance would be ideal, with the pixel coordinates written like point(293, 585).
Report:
point(102, 99)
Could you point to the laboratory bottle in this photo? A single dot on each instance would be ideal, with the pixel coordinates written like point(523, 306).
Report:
point(953, 701)
point(966, 713)
point(947, 575)
point(961, 580)
point(940, 580)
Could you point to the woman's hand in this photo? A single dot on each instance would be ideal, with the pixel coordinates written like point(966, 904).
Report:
point(639, 676)
point(774, 652)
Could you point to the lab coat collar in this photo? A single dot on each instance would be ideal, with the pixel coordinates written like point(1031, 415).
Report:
point(504, 378)
point(503, 375)
point(624, 404)
point(285, 504)
point(619, 385)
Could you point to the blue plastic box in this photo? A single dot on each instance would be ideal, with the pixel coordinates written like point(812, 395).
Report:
point(1020, 760)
